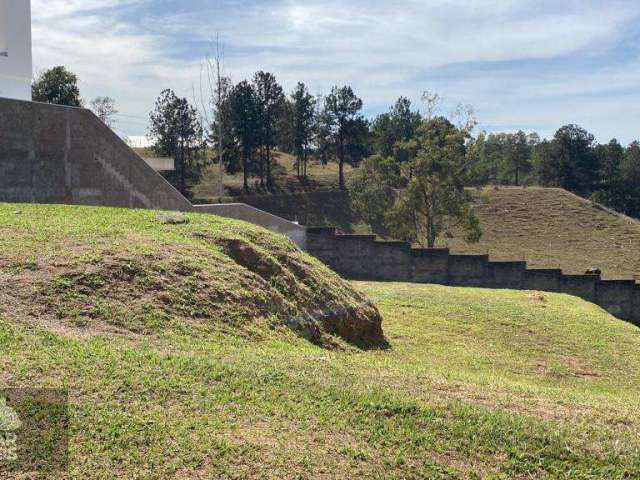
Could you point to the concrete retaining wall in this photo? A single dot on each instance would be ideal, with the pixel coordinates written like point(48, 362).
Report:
point(363, 257)
point(53, 154)
point(247, 213)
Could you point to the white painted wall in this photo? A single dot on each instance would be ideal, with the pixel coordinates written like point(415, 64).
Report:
point(15, 49)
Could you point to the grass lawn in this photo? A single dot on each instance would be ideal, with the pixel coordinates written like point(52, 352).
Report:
point(474, 384)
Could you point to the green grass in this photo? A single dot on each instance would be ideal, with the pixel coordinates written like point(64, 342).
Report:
point(476, 383)
point(129, 271)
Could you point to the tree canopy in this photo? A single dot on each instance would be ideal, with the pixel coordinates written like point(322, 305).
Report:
point(344, 128)
point(422, 199)
point(177, 131)
point(58, 86)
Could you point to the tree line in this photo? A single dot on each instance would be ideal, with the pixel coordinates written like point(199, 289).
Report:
point(250, 119)
point(414, 163)
point(607, 173)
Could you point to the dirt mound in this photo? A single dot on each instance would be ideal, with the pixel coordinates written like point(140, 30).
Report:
point(154, 275)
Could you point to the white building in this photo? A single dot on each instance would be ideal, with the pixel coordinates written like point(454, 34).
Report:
point(15, 49)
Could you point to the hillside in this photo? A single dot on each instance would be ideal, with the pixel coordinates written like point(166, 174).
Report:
point(320, 178)
point(548, 227)
point(92, 270)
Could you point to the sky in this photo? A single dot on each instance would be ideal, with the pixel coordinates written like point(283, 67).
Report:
point(533, 65)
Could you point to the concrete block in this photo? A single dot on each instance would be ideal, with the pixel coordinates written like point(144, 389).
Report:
point(507, 274)
point(469, 270)
point(430, 265)
point(616, 297)
point(583, 286)
point(546, 280)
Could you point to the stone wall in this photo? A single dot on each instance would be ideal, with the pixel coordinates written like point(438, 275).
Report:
point(363, 257)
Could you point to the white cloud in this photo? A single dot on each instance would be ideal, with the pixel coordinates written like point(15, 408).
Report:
point(384, 49)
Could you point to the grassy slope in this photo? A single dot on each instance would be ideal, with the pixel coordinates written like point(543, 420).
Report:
point(550, 227)
point(476, 384)
point(87, 268)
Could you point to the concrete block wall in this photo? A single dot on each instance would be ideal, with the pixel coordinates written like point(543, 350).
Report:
point(635, 314)
point(363, 257)
point(469, 270)
point(429, 265)
point(583, 286)
point(54, 154)
point(360, 256)
point(617, 297)
point(508, 274)
point(547, 280)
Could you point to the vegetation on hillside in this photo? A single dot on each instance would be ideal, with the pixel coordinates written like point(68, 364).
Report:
point(419, 199)
point(97, 269)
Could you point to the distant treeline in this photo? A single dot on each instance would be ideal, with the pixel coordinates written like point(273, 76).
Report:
point(607, 173)
point(246, 121)
point(256, 116)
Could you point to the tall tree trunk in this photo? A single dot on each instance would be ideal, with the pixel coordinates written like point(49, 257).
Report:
point(261, 165)
point(304, 164)
point(340, 164)
point(245, 162)
point(269, 175)
point(220, 163)
point(183, 183)
point(218, 62)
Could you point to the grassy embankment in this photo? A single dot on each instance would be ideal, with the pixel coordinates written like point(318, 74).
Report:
point(475, 383)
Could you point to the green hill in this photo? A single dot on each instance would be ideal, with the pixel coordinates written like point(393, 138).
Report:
point(101, 269)
point(550, 227)
point(168, 382)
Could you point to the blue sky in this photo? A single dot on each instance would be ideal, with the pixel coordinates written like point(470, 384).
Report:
point(531, 65)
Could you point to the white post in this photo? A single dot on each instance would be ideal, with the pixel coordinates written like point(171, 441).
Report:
point(15, 49)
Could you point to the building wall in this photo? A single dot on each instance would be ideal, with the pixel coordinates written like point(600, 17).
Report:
point(15, 49)
point(363, 257)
